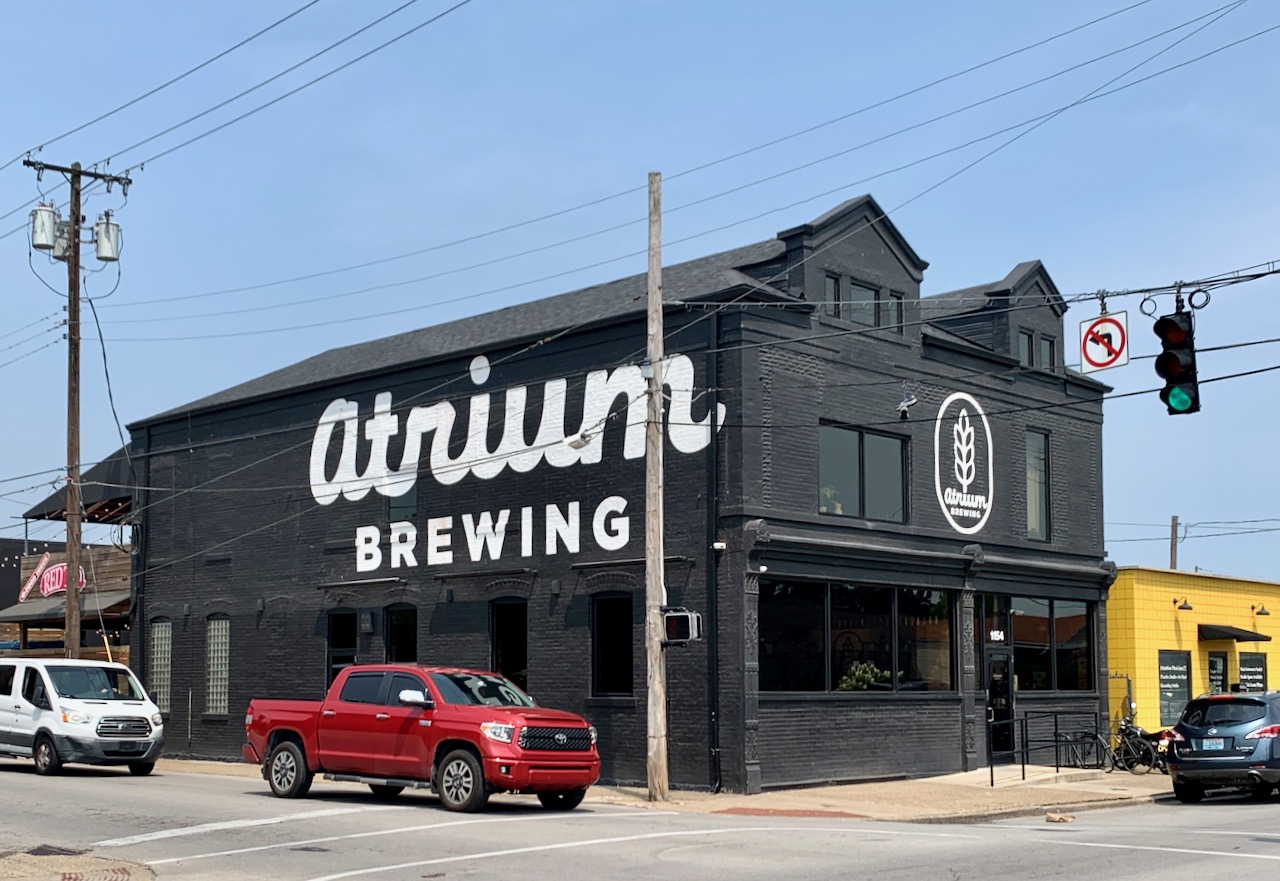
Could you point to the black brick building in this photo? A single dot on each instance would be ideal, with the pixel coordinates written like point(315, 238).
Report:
point(863, 577)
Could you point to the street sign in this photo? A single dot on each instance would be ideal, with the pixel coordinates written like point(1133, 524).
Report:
point(1104, 342)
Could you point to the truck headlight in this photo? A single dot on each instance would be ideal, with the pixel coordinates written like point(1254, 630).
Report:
point(77, 717)
point(592, 729)
point(157, 720)
point(500, 731)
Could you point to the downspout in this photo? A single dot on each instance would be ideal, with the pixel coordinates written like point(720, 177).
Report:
point(713, 522)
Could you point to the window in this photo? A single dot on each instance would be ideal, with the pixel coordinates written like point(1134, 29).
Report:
point(404, 682)
point(1253, 671)
point(1025, 352)
point(831, 296)
point(33, 689)
point(1052, 645)
point(1037, 485)
point(342, 642)
point(401, 622)
point(161, 662)
point(7, 674)
point(862, 305)
point(405, 507)
point(1048, 353)
point(361, 688)
point(895, 319)
point(612, 637)
point(861, 474)
point(822, 637)
point(217, 665)
point(509, 621)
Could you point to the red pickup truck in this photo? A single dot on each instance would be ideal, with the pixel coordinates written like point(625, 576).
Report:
point(463, 733)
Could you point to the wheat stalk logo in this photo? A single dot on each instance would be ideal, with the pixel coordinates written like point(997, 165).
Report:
point(963, 433)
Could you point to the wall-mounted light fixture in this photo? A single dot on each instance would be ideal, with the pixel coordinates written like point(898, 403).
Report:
point(1259, 609)
point(186, 608)
point(555, 587)
point(1182, 604)
point(718, 546)
point(448, 594)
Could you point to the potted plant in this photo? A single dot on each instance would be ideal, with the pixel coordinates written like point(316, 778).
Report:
point(830, 499)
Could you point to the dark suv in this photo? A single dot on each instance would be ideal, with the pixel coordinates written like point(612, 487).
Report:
point(1226, 740)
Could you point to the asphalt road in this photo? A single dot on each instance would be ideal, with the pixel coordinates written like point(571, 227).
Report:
point(196, 826)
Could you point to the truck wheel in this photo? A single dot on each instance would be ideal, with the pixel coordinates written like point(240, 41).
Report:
point(460, 782)
point(562, 800)
point(141, 769)
point(47, 761)
point(287, 771)
point(383, 790)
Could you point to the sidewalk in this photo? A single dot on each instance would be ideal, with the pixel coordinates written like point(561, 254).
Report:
point(952, 798)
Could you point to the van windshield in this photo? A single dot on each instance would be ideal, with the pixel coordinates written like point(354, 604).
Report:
point(96, 683)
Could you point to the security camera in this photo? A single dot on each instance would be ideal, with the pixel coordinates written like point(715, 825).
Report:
point(579, 440)
point(906, 405)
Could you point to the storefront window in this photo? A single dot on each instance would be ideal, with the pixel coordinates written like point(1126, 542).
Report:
point(401, 635)
point(612, 638)
point(924, 640)
point(816, 636)
point(1032, 660)
point(1253, 671)
point(792, 641)
point(1071, 645)
point(1175, 685)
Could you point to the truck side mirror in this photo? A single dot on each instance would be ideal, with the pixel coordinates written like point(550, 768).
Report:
point(411, 697)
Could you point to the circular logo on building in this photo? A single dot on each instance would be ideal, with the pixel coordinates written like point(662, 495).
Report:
point(963, 463)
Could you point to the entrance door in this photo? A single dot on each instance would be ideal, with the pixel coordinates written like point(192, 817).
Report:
point(1000, 702)
point(510, 627)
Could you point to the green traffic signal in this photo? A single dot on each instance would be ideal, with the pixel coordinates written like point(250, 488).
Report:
point(1178, 399)
point(1176, 363)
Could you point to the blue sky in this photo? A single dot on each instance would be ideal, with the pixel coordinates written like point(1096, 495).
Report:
point(504, 111)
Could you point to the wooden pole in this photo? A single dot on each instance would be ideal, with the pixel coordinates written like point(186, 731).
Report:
point(655, 591)
point(1173, 542)
point(71, 625)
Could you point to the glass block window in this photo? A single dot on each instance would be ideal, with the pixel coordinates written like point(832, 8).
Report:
point(160, 669)
point(218, 665)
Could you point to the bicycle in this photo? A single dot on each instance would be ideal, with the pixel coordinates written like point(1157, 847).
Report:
point(1124, 749)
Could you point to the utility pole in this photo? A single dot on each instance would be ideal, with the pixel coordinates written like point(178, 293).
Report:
point(76, 174)
point(655, 590)
point(1173, 542)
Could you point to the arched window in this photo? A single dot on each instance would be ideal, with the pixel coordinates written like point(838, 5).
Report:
point(341, 641)
point(401, 633)
point(509, 631)
point(612, 644)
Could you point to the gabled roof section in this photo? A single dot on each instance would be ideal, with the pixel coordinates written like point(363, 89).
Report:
point(978, 297)
point(864, 211)
point(697, 279)
point(106, 493)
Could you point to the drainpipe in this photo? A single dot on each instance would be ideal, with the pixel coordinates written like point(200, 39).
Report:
point(713, 518)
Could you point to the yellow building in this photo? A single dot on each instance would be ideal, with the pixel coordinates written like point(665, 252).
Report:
point(1174, 635)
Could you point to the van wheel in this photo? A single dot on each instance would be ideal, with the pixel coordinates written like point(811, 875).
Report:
point(141, 769)
point(460, 782)
point(562, 800)
point(383, 790)
point(287, 771)
point(1188, 793)
point(47, 761)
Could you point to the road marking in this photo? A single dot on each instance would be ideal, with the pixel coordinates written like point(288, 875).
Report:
point(331, 838)
point(1186, 850)
point(240, 824)
point(565, 845)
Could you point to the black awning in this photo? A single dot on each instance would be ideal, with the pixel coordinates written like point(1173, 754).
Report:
point(1210, 632)
point(106, 493)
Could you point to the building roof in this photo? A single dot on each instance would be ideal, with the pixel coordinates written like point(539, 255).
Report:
point(625, 297)
point(106, 493)
point(51, 609)
point(977, 297)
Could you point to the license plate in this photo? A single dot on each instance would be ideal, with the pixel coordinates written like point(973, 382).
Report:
point(129, 746)
point(1211, 743)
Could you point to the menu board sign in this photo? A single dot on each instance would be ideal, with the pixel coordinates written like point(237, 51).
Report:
point(1175, 685)
point(1253, 671)
point(1217, 672)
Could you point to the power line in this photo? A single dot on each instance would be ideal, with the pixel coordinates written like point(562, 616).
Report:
point(159, 88)
point(672, 210)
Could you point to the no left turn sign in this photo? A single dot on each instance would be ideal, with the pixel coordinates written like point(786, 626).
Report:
point(1104, 342)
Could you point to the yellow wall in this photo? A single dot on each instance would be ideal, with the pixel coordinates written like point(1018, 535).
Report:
point(1143, 619)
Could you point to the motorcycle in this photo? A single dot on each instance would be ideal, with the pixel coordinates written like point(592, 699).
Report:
point(1159, 740)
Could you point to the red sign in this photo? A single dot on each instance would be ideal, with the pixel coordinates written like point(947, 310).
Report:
point(31, 582)
point(55, 580)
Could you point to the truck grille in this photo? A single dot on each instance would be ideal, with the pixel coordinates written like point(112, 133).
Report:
point(123, 727)
point(555, 738)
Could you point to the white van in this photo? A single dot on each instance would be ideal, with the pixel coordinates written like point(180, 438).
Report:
point(58, 710)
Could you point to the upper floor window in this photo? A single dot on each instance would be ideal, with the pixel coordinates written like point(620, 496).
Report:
point(1026, 351)
point(862, 305)
point(862, 474)
point(1048, 353)
point(831, 296)
point(894, 316)
point(1037, 485)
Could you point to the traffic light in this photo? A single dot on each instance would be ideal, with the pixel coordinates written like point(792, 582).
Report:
point(681, 626)
point(1176, 363)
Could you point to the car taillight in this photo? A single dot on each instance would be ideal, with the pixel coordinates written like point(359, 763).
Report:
point(1271, 732)
point(1173, 736)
